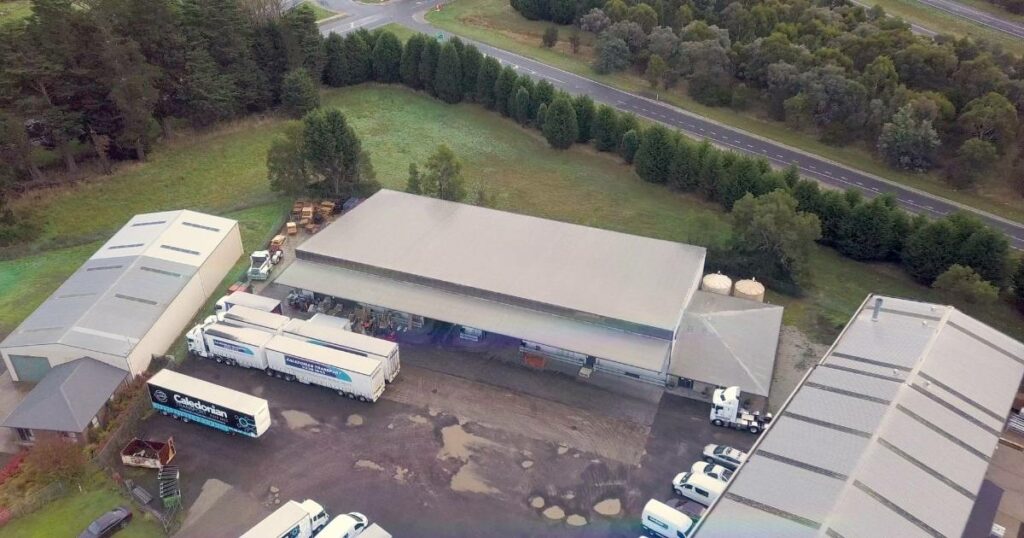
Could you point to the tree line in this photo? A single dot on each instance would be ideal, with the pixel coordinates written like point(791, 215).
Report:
point(101, 80)
point(865, 230)
point(842, 72)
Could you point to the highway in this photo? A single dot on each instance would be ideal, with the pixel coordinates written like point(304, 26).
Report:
point(409, 13)
point(976, 16)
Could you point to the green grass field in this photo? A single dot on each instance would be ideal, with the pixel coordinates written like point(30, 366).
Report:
point(397, 127)
point(14, 10)
point(402, 32)
point(320, 11)
point(496, 23)
point(70, 515)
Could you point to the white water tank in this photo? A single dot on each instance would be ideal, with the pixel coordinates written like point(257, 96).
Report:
point(749, 289)
point(716, 283)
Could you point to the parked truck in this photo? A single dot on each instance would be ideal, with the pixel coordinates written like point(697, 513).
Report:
point(323, 334)
point(292, 520)
point(727, 413)
point(251, 300)
point(194, 400)
point(354, 376)
point(663, 521)
point(245, 316)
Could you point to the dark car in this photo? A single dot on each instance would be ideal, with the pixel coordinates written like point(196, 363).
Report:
point(108, 524)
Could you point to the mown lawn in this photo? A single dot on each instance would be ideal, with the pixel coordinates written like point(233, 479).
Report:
point(397, 127)
point(70, 515)
point(321, 12)
point(14, 10)
point(496, 23)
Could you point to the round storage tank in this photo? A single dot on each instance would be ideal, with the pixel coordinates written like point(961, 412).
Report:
point(749, 289)
point(716, 283)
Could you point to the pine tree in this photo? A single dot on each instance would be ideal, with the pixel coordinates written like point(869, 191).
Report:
point(628, 145)
point(521, 111)
point(605, 129)
point(303, 40)
point(333, 152)
point(428, 64)
point(209, 93)
point(358, 64)
point(410, 68)
point(486, 79)
point(271, 54)
point(387, 58)
point(585, 111)
point(542, 112)
point(503, 88)
point(471, 61)
point(336, 68)
point(684, 174)
point(299, 93)
point(132, 84)
point(448, 76)
point(413, 185)
point(560, 127)
point(653, 159)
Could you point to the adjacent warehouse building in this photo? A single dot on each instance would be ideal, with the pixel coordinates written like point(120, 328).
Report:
point(128, 301)
point(599, 299)
point(891, 434)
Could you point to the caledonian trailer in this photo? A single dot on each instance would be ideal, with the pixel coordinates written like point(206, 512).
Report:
point(194, 400)
point(326, 335)
point(351, 375)
point(253, 318)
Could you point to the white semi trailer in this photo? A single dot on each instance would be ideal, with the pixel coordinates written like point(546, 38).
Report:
point(193, 400)
point(251, 300)
point(350, 375)
point(324, 334)
point(292, 520)
point(254, 318)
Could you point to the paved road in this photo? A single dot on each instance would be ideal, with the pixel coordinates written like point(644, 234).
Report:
point(409, 13)
point(977, 16)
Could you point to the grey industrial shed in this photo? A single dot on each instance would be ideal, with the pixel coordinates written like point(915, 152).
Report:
point(891, 434)
point(131, 298)
point(610, 300)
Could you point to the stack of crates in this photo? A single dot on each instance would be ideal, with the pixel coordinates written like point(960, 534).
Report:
point(170, 491)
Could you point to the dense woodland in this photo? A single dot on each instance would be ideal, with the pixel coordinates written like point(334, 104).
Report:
point(843, 72)
point(114, 77)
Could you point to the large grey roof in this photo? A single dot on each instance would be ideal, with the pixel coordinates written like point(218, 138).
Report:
point(116, 296)
point(517, 259)
point(542, 327)
point(728, 341)
point(68, 397)
point(889, 435)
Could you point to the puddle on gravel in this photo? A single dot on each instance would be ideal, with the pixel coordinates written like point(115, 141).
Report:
point(467, 479)
point(296, 420)
point(537, 502)
point(367, 464)
point(457, 443)
point(418, 419)
point(608, 507)
point(554, 512)
point(576, 520)
point(354, 420)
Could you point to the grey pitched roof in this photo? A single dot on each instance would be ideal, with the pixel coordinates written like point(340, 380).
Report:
point(116, 296)
point(890, 434)
point(541, 264)
point(728, 341)
point(68, 397)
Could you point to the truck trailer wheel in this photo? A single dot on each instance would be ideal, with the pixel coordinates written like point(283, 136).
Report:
point(350, 396)
point(754, 430)
point(269, 372)
point(718, 422)
point(219, 360)
point(363, 399)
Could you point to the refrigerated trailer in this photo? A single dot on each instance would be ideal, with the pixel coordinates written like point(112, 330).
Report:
point(253, 318)
point(194, 400)
point(351, 375)
point(325, 335)
point(251, 300)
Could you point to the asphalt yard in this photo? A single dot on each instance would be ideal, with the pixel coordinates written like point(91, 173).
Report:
point(460, 445)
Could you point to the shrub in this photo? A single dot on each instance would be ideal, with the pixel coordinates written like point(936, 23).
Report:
point(966, 284)
point(550, 38)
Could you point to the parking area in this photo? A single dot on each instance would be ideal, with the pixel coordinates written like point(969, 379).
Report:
point(460, 445)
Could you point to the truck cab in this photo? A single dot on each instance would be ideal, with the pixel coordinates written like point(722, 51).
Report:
point(727, 413)
point(347, 525)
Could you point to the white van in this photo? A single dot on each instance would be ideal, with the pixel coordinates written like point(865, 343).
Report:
point(662, 521)
point(698, 487)
point(347, 525)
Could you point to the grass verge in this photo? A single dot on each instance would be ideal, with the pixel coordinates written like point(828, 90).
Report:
point(14, 10)
point(321, 12)
point(915, 12)
point(494, 22)
point(398, 126)
point(401, 31)
point(70, 515)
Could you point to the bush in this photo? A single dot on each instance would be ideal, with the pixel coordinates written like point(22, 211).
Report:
point(299, 93)
point(966, 284)
point(54, 458)
point(560, 127)
point(630, 143)
point(550, 37)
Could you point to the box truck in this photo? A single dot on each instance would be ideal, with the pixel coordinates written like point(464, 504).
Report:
point(258, 302)
point(662, 521)
point(323, 334)
point(292, 520)
point(320, 318)
point(354, 376)
point(194, 400)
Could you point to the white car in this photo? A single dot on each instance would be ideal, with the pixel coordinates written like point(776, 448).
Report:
point(726, 456)
point(700, 488)
point(712, 470)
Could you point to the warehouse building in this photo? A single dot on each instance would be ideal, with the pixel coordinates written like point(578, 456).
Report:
point(597, 299)
point(129, 300)
point(891, 434)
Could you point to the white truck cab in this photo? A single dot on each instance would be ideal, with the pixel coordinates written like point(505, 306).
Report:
point(726, 412)
point(347, 525)
point(662, 521)
point(698, 487)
